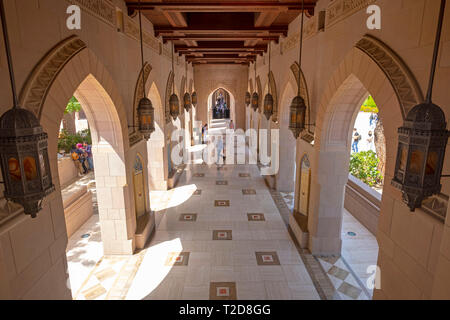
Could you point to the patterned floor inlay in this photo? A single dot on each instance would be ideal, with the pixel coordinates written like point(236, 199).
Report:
point(256, 217)
point(198, 175)
point(192, 217)
point(222, 203)
point(347, 286)
point(221, 183)
point(267, 259)
point(244, 175)
point(177, 259)
point(222, 291)
point(222, 235)
point(248, 191)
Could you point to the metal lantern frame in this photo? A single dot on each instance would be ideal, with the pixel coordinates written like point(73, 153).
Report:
point(174, 103)
point(145, 110)
point(194, 100)
point(24, 157)
point(255, 96)
point(248, 98)
point(422, 141)
point(187, 97)
point(268, 99)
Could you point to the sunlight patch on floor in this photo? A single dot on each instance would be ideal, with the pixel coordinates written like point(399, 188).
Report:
point(161, 200)
point(153, 270)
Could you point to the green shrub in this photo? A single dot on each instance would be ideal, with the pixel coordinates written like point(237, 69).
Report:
point(66, 140)
point(364, 166)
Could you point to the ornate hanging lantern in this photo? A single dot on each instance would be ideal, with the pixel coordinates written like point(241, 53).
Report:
point(145, 110)
point(268, 99)
point(297, 116)
point(187, 101)
point(194, 99)
point(23, 149)
point(174, 103)
point(248, 98)
point(268, 106)
point(422, 143)
point(255, 96)
point(187, 96)
point(146, 115)
point(255, 101)
point(174, 106)
point(298, 106)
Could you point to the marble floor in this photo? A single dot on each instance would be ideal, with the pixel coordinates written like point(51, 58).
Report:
point(226, 240)
point(220, 234)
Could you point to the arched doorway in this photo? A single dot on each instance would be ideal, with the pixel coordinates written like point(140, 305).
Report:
point(225, 109)
point(220, 104)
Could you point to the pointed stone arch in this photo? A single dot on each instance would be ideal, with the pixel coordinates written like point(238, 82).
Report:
point(69, 69)
point(250, 86)
point(258, 89)
point(191, 86)
point(182, 86)
point(371, 67)
point(273, 90)
point(40, 80)
point(169, 90)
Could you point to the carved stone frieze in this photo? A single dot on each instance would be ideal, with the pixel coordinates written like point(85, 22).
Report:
point(102, 9)
point(132, 29)
point(404, 83)
point(39, 82)
point(341, 9)
point(309, 30)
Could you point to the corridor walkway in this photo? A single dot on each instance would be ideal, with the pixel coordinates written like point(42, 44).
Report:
point(225, 240)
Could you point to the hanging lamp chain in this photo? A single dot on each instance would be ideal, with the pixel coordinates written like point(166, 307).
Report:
point(8, 55)
point(268, 75)
point(173, 72)
point(142, 49)
point(436, 51)
point(301, 48)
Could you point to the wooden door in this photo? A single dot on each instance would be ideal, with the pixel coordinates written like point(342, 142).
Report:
point(139, 189)
point(304, 191)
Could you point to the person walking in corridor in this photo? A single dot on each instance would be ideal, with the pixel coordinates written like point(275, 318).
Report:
point(356, 139)
point(219, 150)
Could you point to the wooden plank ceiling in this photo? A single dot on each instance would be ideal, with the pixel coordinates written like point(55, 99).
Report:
point(220, 32)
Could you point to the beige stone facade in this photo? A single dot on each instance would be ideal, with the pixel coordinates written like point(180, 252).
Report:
point(342, 64)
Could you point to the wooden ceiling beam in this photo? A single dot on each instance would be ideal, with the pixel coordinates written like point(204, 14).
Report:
point(176, 19)
point(226, 6)
point(231, 30)
point(220, 37)
point(265, 18)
